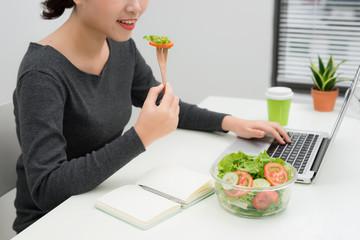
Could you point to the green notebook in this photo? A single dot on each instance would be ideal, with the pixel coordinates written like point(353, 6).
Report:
point(157, 195)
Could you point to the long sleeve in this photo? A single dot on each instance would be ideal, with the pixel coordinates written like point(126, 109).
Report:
point(53, 176)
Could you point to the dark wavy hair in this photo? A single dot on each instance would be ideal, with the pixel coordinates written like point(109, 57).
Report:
point(55, 8)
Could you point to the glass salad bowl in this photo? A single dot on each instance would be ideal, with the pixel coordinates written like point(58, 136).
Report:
point(262, 199)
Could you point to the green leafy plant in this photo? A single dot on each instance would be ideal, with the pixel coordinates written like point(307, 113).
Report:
point(324, 77)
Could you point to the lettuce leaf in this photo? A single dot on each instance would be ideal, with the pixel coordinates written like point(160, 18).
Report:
point(157, 39)
point(253, 164)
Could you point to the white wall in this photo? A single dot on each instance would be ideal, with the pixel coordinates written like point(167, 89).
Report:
point(221, 47)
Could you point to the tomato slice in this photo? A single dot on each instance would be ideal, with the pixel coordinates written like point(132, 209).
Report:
point(275, 173)
point(245, 180)
point(169, 45)
point(263, 200)
point(233, 193)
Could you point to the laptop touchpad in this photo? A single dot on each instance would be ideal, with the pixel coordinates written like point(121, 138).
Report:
point(249, 146)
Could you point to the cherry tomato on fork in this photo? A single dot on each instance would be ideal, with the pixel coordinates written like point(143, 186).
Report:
point(169, 45)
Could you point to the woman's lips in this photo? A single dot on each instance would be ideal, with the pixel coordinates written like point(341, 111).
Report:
point(128, 24)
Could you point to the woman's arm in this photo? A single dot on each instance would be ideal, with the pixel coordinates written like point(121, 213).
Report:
point(196, 118)
point(51, 175)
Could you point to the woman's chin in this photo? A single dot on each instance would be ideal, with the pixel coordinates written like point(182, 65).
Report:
point(120, 38)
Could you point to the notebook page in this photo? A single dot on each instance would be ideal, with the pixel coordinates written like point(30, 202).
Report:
point(174, 180)
point(134, 204)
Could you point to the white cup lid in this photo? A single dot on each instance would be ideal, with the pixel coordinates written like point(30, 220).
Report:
point(279, 93)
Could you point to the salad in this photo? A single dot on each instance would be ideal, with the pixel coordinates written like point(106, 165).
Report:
point(159, 41)
point(253, 185)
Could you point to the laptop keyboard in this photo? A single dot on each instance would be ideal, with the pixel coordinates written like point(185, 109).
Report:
point(298, 152)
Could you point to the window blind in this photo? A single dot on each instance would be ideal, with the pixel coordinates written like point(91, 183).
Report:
point(305, 29)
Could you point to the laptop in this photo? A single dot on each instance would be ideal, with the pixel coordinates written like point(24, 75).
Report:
point(307, 149)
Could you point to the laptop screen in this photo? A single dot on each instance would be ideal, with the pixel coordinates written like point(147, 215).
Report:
point(348, 95)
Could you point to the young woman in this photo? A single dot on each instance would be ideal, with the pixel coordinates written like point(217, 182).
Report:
point(74, 95)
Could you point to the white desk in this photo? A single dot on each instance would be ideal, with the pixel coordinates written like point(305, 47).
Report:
point(328, 209)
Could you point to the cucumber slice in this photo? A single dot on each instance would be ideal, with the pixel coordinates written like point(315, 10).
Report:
point(231, 178)
point(261, 182)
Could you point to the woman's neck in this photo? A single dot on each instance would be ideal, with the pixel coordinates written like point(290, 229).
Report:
point(85, 47)
point(86, 40)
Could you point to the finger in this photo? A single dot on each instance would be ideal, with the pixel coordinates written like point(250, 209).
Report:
point(153, 94)
point(276, 135)
point(282, 132)
point(168, 97)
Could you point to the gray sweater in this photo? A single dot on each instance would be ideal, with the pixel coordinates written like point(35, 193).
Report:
point(70, 124)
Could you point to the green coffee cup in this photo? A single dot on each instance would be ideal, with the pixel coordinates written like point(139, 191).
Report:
point(278, 103)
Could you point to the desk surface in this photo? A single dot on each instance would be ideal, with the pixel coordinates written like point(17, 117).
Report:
point(327, 209)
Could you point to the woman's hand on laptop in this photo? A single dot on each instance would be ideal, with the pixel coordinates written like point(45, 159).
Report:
point(254, 128)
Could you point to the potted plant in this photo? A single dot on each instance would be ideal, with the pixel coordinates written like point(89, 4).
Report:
point(324, 92)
